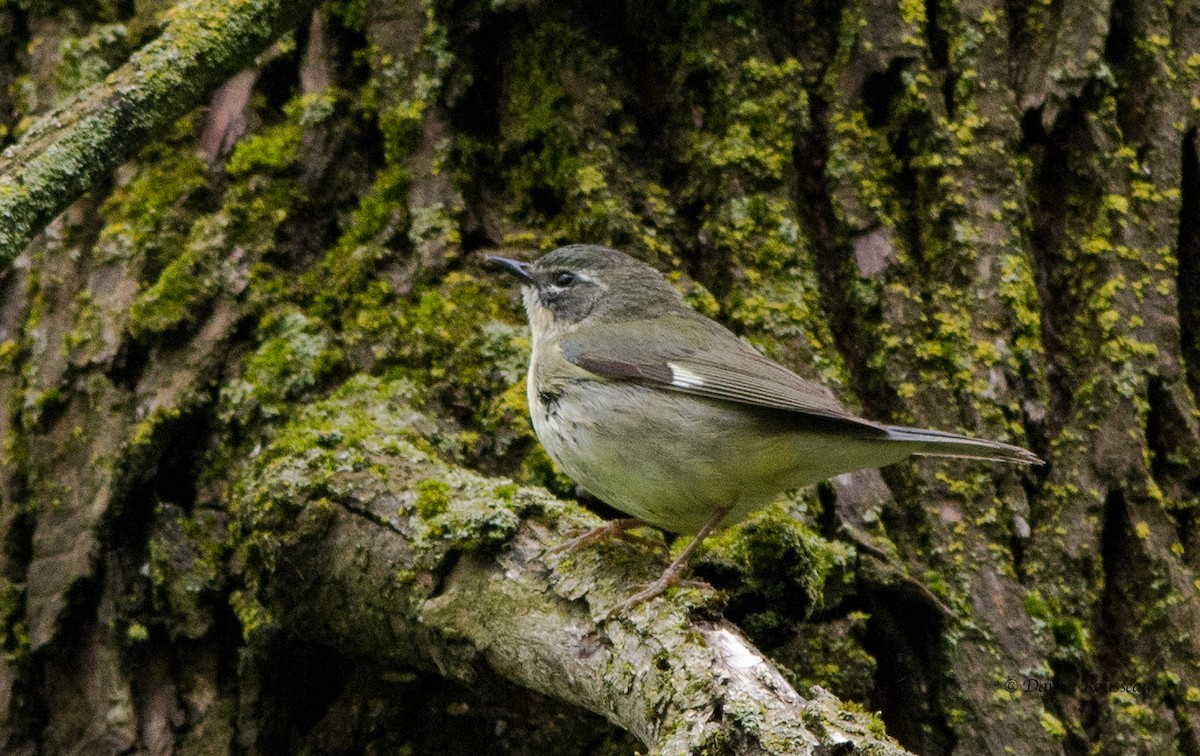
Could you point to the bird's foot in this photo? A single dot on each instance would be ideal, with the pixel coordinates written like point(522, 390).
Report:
point(612, 529)
point(668, 579)
point(674, 571)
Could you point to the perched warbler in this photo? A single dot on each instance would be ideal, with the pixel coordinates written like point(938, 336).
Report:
point(668, 416)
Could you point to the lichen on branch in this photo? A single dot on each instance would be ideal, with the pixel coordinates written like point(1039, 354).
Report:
point(353, 533)
point(71, 148)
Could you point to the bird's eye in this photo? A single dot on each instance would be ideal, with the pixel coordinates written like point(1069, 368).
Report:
point(564, 279)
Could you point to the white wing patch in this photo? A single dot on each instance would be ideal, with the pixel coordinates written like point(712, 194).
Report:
point(684, 378)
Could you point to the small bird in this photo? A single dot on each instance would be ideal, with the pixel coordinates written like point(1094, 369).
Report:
point(668, 416)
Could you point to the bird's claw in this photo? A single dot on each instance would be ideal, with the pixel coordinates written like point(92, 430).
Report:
point(612, 529)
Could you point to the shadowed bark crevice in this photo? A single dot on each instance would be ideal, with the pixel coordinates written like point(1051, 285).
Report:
point(1116, 612)
point(850, 324)
point(1188, 280)
point(937, 43)
point(1055, 201)
point(903, 635)
point(1115, 555)
point(1176, 471)
point(298, 685)
point(14, 38)
point(1132, 67)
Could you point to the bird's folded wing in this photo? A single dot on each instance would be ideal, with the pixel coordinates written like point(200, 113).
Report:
point(702, 358)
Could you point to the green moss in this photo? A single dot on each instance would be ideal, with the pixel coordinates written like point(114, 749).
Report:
point(353, 14)
point(136, 632)
point(148, 217)
point(541, 130)
point(382, 207)
point(186, 568)
point(276, 149)
point(472, 517)
point(460, 338)
point(9, 352)
point(781, 560)
point(776, 302)
point(432, 498)
point(506, 491)
point(295, 355)
point(87, 60)
point(186, 284)
point(1053, 726)
point(1072, 638)
point(251, 614)
point(565, 163)
point(830, 654)
point(162, 79)
point(742, 156)
point(364, 439)
point(87, 328)
point(13, 635)
point(759, 107)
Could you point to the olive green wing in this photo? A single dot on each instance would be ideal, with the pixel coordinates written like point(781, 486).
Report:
point(698, 356)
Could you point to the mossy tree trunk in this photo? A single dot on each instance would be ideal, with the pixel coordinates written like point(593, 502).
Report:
point(267, 480)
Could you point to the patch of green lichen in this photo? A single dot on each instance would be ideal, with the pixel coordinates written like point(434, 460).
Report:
point(365, 442)
point(568, 164)
point(87, 60)
point(186, 560)
point(1104, 273)
point(754, 113)
point(902, 164)
point(294, 356)
point(787, 571)
point(186, 285)
point(14, 638)
point(741, 158)
point(1135, 723)
point(148, 216)
point(1072, 639)
point(776, 299)
point(462, 511)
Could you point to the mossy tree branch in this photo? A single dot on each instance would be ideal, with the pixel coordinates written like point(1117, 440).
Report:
point(355, 536)
point(68, 150)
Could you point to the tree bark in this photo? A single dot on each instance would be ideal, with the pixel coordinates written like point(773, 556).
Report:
point(400, 560)
point(267, 481)
point(69, 150)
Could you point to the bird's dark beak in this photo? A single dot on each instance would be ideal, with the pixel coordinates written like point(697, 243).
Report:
point(515, 267)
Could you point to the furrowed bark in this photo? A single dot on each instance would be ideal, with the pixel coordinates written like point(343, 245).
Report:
point(371, 545)
point(68, 150)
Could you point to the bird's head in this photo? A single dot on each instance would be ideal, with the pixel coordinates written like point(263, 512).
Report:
point(584, 281)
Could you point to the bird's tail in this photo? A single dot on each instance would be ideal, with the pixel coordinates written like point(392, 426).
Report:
point(941, 444)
